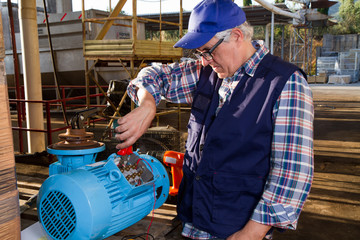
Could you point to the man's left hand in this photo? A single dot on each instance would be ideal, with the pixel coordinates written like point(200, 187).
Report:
point(251, 231)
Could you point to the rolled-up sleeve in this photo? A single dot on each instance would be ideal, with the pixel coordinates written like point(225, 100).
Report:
point(174, 82)
point(291, 163)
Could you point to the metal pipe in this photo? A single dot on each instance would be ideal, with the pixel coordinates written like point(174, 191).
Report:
point(48, 123)
point(267, 44)
point(279, 11)
point(54, 65)
point(32, 74)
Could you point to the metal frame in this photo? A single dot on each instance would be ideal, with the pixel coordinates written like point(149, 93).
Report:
point(136, 59)
point(300, 47)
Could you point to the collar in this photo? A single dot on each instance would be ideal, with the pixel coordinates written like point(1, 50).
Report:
point(250, 66)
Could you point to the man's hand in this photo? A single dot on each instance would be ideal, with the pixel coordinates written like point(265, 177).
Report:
point(133, 125)
point(251, 231)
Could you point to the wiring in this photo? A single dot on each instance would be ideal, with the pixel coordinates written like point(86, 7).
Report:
point(139, 236)
point(147, 235)
point(152, 217)
point(140, 159)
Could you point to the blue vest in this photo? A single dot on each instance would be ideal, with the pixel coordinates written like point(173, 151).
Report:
point(227, 155)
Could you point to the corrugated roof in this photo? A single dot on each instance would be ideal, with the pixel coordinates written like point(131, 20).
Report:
point(256, 15)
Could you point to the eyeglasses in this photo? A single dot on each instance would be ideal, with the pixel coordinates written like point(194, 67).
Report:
point(208, 54)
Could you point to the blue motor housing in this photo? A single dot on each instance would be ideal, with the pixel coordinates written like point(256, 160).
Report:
point(72, 159)
point(99, 199)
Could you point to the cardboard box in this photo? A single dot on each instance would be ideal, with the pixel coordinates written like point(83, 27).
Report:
point(339, 79)
point(311, 79)
point(321, 78)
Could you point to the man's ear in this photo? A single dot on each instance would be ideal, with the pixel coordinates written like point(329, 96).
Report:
point(238, 35)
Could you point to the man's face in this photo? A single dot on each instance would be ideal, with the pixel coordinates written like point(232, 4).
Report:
point(222, 59)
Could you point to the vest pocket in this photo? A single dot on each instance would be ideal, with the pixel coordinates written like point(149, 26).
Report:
point(184, 206)
point(235, 197)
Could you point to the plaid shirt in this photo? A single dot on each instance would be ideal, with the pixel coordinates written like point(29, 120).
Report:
point(291, 161)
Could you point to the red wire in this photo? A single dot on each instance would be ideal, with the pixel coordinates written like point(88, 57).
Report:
point(152, 217)
point(137, 163)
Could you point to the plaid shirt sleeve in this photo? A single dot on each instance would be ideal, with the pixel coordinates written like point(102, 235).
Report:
point(291, 163)
point(175, 82)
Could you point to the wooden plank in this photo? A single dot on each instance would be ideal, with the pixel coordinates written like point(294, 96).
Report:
point(123, 53)
point(170, 53)
point(159, 226)
point(109, 41)
point(37, 171)
point(107, 47)
point(109, 44)
point(29, 180)
point(120, 47)
point(108, 53)
point(147, 42)
point(157, 49)
point(26, 193)
point(147, 52)
point(158, 21)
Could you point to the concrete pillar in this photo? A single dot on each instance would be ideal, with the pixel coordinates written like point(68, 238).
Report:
point(267, 33)
point(65, 6)
point(58, 6)
point(32, 74)
point(51, 6)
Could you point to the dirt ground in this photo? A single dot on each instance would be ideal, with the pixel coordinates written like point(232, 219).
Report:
point(332, 211)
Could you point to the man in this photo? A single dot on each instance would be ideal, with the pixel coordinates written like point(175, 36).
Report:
point(249, 154)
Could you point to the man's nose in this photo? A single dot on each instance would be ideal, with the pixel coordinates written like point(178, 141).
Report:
point(205, 62)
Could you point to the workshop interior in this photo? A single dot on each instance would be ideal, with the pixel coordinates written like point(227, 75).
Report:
point(61, 175)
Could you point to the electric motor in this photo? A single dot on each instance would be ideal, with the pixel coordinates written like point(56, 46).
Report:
point(97, 200)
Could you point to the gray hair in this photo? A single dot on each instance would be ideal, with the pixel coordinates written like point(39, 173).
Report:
point(245, 28)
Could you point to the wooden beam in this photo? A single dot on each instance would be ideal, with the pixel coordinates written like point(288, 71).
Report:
point(108, 18)
point(118, 47)
point(158, 21)
point(134, 23)
point(108, 23)
point(181, 20)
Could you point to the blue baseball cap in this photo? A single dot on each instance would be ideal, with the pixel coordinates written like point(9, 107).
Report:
point(208, 18)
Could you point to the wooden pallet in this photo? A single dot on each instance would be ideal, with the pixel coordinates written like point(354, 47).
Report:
point(129, 48)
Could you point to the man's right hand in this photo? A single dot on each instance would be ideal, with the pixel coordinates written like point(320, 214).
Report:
point(133, 125)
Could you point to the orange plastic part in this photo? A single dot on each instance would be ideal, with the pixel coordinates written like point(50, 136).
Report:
point(174, 160)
